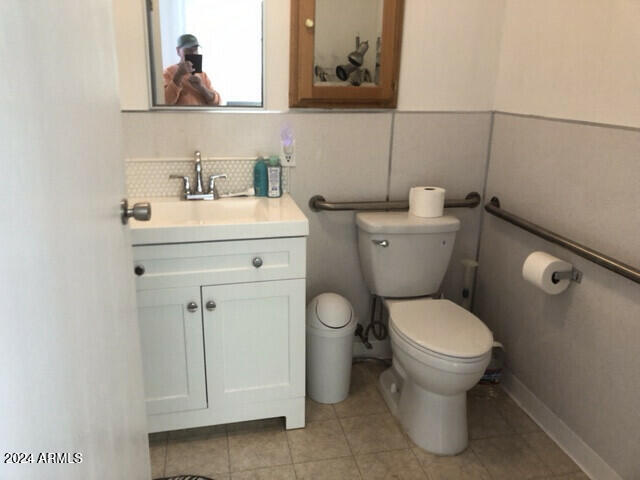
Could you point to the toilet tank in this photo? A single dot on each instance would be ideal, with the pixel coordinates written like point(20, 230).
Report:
point(402, 255)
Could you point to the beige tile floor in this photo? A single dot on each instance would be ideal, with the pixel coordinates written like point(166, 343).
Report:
point(359, 439)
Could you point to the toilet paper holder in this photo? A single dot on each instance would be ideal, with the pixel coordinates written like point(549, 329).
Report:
point(574, 275)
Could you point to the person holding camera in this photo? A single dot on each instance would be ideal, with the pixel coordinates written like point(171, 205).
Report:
point(183, 83)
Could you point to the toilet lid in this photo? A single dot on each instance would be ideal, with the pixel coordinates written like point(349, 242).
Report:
point(440, 326)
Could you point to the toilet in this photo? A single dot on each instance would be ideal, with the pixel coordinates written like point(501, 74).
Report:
point(440, 350)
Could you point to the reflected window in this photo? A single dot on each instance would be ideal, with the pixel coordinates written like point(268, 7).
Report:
point(221, 61)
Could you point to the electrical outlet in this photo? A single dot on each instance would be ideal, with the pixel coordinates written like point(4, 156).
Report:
point(287, 154)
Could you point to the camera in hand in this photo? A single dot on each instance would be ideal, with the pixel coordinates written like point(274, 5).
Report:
point(196, 61)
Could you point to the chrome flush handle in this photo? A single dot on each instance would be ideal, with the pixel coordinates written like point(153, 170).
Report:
point(381, 243)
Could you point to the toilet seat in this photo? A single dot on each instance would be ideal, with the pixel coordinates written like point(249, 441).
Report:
point(440, 328)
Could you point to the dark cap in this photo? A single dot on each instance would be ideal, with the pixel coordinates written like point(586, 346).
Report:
point(187, 41)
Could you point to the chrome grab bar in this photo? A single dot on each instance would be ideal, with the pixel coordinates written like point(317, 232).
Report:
point(610, 263)
point(318, 203)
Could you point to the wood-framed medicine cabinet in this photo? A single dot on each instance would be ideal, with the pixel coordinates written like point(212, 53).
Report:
point(345, 54)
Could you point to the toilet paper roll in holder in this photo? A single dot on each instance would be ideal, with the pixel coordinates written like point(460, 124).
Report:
point(574, 275)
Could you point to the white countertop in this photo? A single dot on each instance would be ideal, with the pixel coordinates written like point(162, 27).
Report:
point(176, 221)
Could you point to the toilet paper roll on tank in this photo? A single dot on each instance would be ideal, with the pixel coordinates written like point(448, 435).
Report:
point(426, 201)
point(538, 269)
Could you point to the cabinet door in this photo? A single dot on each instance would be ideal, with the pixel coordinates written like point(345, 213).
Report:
point(255, 340)
point(172, 349)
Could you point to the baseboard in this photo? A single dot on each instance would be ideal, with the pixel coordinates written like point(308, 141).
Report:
point(581, 453)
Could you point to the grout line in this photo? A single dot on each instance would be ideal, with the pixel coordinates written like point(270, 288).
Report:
point(424, 470)
point(521, 435)
point(358, 415)
point(322, 460)
point(298, 111)
point(482, 212)
point(542, 459)
point(166, 454)
point(333, 458)
point(441, 112)
point(286, 435)
point(486, 176)
point(262, 468)
point(352, 111)
point(226, 435)
point(309, 111)
point(480, 458)
point(346, 439)
point(569, 120)
point(391, 138)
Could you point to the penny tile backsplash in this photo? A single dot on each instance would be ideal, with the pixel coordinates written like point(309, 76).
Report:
point(150, 177)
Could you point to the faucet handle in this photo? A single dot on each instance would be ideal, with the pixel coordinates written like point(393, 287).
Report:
point(212, 183)
point(186, 182)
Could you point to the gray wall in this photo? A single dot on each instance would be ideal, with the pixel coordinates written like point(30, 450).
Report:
point(578, 352)
point(343, 156)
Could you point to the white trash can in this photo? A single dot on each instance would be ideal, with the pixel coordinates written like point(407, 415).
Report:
point(330, 328)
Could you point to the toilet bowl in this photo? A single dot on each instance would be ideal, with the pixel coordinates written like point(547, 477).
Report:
point(440, 350)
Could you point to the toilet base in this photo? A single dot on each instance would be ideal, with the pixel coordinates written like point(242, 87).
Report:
point(390, 385)
point(436, 423)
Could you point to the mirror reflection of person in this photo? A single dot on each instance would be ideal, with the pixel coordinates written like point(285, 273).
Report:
point(181, 85)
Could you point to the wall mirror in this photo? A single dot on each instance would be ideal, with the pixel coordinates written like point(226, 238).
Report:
point(345, 54)
point(206, 53)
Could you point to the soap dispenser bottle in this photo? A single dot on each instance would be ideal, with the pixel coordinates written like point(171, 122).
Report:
point(274, 175)
point(260, 182)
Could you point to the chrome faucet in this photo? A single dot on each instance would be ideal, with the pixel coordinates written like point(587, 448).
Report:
point(199, 194)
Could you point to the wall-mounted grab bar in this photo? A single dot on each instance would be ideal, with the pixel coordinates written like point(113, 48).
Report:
point(493, 207)
point(318, 203)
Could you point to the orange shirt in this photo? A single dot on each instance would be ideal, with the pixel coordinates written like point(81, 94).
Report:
point(185, 93)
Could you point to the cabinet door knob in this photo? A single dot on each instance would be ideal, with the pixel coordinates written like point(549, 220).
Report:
point(309, 23)
point(257, 262)
point(192, 306)
point(211, 305)
point(139, 270)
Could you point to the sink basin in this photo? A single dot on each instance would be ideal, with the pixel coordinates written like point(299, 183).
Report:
point(177, 221)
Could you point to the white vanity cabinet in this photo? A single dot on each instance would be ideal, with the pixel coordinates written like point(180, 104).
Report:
point(171, 335)
point(223, 331)
point(254, 352)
